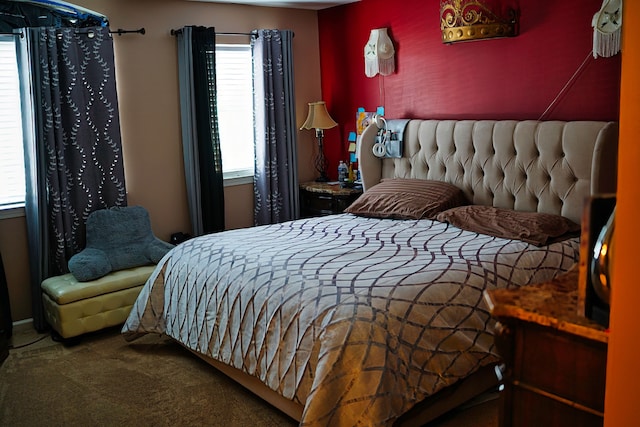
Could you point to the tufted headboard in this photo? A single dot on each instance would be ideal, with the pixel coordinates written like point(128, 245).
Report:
point(543, 166)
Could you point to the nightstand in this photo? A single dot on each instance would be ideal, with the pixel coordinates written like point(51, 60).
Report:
point(321, 198)
point(555, 358)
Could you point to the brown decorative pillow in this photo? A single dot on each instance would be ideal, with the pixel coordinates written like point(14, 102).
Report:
point(532, 227)
point(403, 198)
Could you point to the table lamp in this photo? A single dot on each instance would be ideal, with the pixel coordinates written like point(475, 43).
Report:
point(319, 119)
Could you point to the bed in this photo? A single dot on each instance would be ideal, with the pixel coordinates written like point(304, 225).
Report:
point(375, 316)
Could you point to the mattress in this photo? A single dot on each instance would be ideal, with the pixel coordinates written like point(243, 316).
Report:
point(357, 319)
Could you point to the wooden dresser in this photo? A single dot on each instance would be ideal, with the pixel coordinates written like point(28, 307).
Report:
point(321, 198)
point(555, 359)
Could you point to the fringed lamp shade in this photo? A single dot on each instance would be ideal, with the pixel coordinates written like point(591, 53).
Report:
point(379, 54)
point(466, 20)
point(607, 23)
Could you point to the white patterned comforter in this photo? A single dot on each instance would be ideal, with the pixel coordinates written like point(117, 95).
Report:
point(357, 319)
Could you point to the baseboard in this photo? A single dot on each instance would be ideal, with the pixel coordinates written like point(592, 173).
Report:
point(21, 325)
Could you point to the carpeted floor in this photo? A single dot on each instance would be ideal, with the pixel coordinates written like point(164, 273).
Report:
point(106, 381)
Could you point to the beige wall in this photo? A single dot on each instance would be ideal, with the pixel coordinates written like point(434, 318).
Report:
point(146, 73)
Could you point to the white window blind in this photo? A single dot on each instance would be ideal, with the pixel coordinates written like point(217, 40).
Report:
point(235, 115)
point(12, 172)
point(235, 109)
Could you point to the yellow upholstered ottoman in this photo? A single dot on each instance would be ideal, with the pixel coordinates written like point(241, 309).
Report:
point(74, 308)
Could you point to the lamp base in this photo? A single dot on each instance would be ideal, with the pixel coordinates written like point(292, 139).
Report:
point(320, 160)
point(322, 178)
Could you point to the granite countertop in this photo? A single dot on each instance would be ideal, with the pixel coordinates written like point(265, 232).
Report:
point(331, 188)
point(552, 304)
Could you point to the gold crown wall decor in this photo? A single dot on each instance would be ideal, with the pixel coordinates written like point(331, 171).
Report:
point(466, 20)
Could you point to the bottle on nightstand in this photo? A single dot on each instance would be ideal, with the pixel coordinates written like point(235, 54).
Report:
point(343, 173)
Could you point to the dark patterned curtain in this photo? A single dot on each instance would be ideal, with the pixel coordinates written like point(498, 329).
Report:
point(276, 167)
point(74, 163)
point(200, 135)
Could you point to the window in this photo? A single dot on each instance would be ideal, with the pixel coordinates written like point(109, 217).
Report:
point(235, 109)
point(235, 119)
point(12, 178)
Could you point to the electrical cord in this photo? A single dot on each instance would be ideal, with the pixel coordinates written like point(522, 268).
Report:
point(16, 347)
point(566, 86)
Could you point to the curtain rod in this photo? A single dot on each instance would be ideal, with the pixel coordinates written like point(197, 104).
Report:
point(176, 32)
point(20, 33)
point(119, 32)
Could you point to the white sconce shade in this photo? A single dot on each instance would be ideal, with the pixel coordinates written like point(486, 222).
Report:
point(379, 54)
point(607, 23)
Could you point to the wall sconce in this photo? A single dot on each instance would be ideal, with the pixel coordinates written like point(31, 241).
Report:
point(379, 54)
point(319, 119)
point(466, 20)
point(607, 23)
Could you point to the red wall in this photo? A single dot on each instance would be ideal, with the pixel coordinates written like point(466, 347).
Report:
point(510, 78)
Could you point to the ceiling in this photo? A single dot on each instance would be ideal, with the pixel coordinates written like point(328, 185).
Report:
point(296, 4)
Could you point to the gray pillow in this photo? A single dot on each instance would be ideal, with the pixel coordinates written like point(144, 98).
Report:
point(117, 238)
